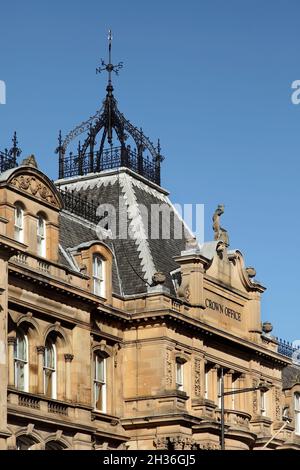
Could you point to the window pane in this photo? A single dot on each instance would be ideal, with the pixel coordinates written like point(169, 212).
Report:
point(20, 348)
point(297, 401)
point(49, 356)
point(98, 396)
point(97, 287)
point(41, 227)
point(20, 375)
point(97, 267)
point(48, 376)
point(99, 376)
point(19, 217)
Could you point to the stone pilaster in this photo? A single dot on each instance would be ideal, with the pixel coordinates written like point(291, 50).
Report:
point(8, 248)
point(11, 341)
point(40, 351)
point(68, 360)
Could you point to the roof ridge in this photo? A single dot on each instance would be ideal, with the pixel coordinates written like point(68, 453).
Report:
point(137, 225)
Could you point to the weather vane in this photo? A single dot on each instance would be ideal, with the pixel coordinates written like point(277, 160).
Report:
point(109, 67)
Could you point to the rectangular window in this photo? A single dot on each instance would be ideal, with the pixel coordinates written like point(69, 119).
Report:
point(50, 370)
point(19, 232)
point(263, 403)
point(41, 237)
point(21, 362)
point(100, 383)
point(98, 276)
point(297, 412)
point(179, 375)
point(206, 381)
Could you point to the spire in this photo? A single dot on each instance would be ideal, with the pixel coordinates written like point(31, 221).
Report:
point(109, 126)
point(109, 67)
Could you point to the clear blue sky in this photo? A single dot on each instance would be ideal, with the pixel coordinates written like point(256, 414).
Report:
point(211, 78)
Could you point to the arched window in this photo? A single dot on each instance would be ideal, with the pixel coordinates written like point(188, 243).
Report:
point(50, 369)
point(21, 361)
point(25, 442)
point(100, 383)
point(297, 412)
point(19, 223)
point(99, 275)
point(41, 236)
point(54, 445)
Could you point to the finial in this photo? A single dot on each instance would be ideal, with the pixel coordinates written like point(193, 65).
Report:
point(158, 147)
point(30, 161)
point(220, 233)
point(59, 148)
point(109, 67)
point(15, 151)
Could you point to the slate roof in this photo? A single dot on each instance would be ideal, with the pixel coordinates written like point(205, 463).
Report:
point(136, 260)
point(290, 376)
point(73, 232)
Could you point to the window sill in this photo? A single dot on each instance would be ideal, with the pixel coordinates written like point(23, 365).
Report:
point(101, 416)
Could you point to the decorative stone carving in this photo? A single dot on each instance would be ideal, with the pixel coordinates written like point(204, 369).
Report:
point(12, 340)
point(158, 278)
point(220, 233)
point(208, 446)
point(277, 403)
point(184, 292)
point(30, 161)
point(255, 383)
point(35, 187)
point(116, 349)
point(267, 327)
point(69, 357)
point(169, 369)
point(191, 244)
point(182, 443)
point(251, 272)
point(197, 377)
point(178, 442)
point(161, 443)
point(40, 349)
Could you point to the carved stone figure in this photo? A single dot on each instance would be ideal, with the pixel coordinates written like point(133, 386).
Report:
point(30, 161)
point(158, 278)
point(220, 233)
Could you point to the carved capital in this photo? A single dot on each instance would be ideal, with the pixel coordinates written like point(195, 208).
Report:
point(11, 340)
point(40, 349)
point(69, 357)
point(161, 443)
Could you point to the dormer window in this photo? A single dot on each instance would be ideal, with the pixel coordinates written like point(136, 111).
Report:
point(19, 224)
point(41, 236)
point(98, 275)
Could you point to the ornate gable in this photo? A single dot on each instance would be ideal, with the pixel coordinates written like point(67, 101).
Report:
point(35, 184)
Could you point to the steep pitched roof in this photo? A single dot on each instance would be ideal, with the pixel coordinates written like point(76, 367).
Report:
point(138, 256)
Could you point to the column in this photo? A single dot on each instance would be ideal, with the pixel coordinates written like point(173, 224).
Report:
point(4, 432)
point(241, 403)
point(213, 389)
point(40, 351)
point(68, 360)
point(228, 385)
point(11, 366)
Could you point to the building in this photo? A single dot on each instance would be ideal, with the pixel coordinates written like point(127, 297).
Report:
point(116, 340)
